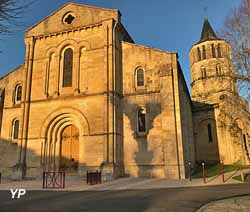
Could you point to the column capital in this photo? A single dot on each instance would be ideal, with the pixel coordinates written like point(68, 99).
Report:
point(29, 40)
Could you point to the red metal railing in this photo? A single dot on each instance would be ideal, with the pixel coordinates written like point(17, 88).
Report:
point(94, 178)
point(53, 179)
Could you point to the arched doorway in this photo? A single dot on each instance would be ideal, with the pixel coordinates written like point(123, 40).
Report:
point(69, 149)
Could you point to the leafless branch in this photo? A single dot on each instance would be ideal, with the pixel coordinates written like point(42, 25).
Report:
point(236, 31)
point(11, 12)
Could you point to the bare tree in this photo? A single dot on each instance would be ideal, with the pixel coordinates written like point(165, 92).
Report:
point(10, 13)
point(236, 31)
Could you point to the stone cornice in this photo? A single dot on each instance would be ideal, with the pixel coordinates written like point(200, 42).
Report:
point(149, 48)
point(223, 77)
point(205, 107)
point(77, 29)
point(137, 93)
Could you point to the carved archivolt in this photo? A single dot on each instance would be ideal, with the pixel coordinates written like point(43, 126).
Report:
point(63, 114)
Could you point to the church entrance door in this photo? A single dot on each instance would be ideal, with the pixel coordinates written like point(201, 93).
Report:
point(69, 157)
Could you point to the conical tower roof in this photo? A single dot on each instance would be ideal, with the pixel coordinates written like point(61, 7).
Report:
point(207, 32)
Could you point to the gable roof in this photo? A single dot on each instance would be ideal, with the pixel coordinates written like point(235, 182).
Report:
point(15, 69)
point(70, 4)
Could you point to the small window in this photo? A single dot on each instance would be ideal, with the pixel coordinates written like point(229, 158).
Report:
point(213, 51)
point(209, 131)
point(203, 52)
point(68, 18)
point(140, 77)
point(67, 67)
point(219, 50)
point(245, 141)
point(15, 129)
point(203, 72)
point(141, 120)
point(198, 54)
point(18, 94)
point(218, 70)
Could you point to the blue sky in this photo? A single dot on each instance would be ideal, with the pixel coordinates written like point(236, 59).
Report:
point(171, 25)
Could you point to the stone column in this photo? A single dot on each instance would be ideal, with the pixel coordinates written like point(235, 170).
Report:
point(57, 87)
point(76, 72)
point(30, 43)
point(46, 78)
point(108, 166)
point(57, 154)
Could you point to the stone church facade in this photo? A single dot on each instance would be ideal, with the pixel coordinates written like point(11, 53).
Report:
point(88, 98)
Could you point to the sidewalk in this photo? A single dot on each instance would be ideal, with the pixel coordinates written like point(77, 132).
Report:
point(239, 204)
point(76, 183)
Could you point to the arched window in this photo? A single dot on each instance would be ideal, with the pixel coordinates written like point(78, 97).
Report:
point(17, 94)
point(198, 54)
point(203, 52)
point(139, 77)
point(219, 50)
point(209, 132)
point(213, 51)
point(67, 67)
point(218, 70)
point(15, 129)
point(141, 120)
point(203, 72)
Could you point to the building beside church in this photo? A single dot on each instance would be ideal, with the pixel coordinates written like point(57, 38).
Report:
point(87, 97)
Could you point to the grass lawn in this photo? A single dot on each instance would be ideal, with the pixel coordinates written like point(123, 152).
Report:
point(246, 178)
point(213, 170)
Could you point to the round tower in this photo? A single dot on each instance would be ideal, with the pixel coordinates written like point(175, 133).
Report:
point(211, 67)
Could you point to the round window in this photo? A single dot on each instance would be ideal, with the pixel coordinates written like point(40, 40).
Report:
point(68, 18)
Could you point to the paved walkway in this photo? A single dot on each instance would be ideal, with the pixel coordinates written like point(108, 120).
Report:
point(239, 204)
point(76, 183)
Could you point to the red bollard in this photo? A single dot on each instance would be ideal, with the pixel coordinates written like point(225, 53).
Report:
point(222, 171)
point(190, 171)
point(203, 172)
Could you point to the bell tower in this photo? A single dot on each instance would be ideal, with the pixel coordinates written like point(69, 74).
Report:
point(211, 67)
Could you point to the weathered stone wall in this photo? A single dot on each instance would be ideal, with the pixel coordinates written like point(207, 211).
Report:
point(8, 148)
point(233, 124)
point(93, 103)
point(206, 150)
point(158, 152)
point(102, 102)
point(143, 154)
point(9, 156)
point(186, 122)
point(87, 104)
point(91, 73)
